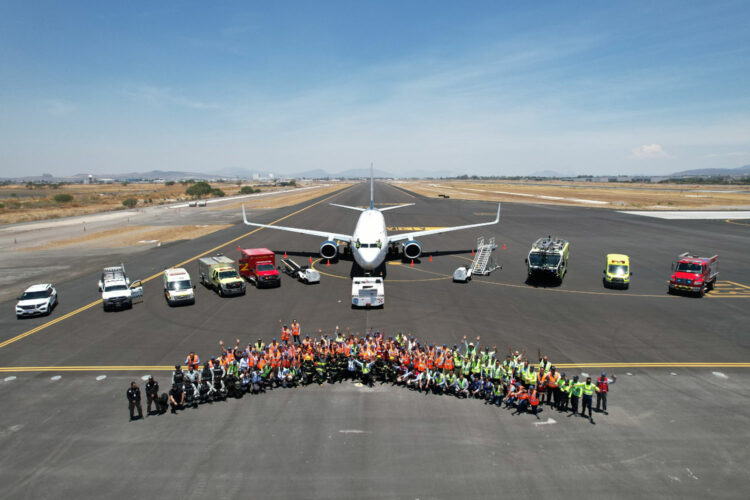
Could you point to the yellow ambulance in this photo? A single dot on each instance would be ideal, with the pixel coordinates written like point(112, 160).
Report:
point(617, 271)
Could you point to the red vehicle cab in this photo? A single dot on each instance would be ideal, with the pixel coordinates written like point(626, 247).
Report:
point(694, 274)
point(258, 266)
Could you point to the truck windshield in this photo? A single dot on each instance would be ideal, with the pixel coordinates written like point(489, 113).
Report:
point(617, 269)
point(690, 267)
point(227, 274)
point(265, 267)
point(115, 288)
point(34, 295)
point(541, 259)
point(179, 285)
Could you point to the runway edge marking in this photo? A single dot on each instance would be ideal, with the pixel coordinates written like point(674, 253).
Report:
point(154, 276)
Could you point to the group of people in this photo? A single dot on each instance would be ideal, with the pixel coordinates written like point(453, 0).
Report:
point(465, 370)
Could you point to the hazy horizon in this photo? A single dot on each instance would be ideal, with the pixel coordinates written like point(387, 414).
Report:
point(495, 89)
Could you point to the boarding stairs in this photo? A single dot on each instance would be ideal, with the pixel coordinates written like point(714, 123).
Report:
point(485, 260)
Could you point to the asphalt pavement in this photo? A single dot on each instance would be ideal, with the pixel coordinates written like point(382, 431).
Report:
point(675, 428)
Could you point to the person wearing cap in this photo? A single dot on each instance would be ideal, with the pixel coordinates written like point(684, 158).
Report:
point(176, 398)
point(552, 382)
point(134, 400)
point(192, 375)
point(295, 331)
point(193, 360)
point(563, 392)
point(152, 395)
point(178, 376)
point(259, 345)
point(576, 391)
point(601, 396)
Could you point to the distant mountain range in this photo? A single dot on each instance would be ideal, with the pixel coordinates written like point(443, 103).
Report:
point(698, 172)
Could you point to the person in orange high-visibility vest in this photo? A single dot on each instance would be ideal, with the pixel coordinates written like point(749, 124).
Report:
point(552, 379)
point(534, 401)
point(523, 401)
point(448, 365)
point(285, 334)
point(295, 331)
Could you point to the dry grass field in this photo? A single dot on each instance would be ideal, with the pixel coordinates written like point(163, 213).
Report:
point(281, 200)
point(604, 195)
point(19, 203)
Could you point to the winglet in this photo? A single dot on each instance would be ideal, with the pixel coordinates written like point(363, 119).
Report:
point(244, 215)
point(497, 219)
point(372, 187)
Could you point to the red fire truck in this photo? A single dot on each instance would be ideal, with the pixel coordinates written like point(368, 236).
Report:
point(694, 274)
point(258, 266)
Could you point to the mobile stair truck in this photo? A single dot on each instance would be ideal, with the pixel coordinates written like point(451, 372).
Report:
point(368, 292)
point(220, 274)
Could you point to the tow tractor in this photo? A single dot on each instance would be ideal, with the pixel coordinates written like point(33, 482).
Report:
point(694, 274)
point(368, 292)
point(300, 273)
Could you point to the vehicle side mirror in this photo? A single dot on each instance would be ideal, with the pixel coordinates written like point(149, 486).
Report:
point(631, 273)
point(193, 287)
point(672, 266)
point(526, 261)
point(18, 298)
point(604, 271)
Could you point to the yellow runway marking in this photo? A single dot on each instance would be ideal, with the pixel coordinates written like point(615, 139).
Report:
point(150, 278)
point(730, 221)
point(169, 368)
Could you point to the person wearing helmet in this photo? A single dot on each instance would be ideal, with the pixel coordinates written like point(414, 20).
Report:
point(576, 391)
point(176, 398)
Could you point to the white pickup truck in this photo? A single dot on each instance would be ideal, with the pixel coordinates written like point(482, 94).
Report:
point(117, 290)
point(368, 292)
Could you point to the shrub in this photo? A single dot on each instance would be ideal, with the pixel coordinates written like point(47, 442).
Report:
point(248, 190)
point(199, 189)
point(130, 202)
point(218, 192)
point(63, 198)
point(169, 183)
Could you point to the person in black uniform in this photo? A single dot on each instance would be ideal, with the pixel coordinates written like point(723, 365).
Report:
point(134, 400)
point(176, 398)
point(152, 395)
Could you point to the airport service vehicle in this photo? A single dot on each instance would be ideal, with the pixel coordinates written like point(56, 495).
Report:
point(177, 287)
point(117, 290)
point(548, 257)
point(370, 243)
point(368, 292)
point(258, 266)
point(616, 271)
point(301, 273)
point(36, 300)
point(219, 273)
point(694, 274)
point(462, 275)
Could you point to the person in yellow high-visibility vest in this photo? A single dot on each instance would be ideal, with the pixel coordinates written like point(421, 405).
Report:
point(588, 388)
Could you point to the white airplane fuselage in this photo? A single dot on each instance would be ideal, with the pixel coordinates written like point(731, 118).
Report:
point(370, 241)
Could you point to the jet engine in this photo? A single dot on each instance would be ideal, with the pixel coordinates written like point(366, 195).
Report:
point(412, 249)
point(329, 249)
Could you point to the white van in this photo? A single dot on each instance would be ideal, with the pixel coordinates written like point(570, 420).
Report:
point(368, 292)
point(178, 289)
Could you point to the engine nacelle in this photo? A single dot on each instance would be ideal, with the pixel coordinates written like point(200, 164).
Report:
point(329, 249)
point(412, 249)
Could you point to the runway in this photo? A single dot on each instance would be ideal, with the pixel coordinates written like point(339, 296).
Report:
point(678, 422)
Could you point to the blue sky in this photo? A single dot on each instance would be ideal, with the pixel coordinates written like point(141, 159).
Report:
point(488, 88)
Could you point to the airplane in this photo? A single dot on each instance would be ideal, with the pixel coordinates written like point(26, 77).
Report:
point(370, 242)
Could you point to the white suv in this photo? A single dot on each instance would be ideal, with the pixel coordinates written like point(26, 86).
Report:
point(37, 299)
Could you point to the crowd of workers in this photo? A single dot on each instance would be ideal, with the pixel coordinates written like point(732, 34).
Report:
point(465, 370)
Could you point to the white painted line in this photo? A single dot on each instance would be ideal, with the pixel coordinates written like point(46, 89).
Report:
point(148, 241)
point(719, 374)
point(629, 374)
point(351, 431)
point(690, 473)
point(584, 374)
point(673, 374)
point(8, 379)
point(15, 428)
point(541, 197)
point(691, 215)
point(101, 377)
point(256, 195)
point(549, 421)
point(145, 377)
point(56, 377)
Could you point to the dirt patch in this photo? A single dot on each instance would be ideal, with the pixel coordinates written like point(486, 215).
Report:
point(604, 195)
point(281, 200)
point(131, 236)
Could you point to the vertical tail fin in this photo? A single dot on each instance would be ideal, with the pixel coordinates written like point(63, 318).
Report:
point(372, 188)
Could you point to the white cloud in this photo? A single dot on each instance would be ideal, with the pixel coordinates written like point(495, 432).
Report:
point(165, 95)
point(650, 151)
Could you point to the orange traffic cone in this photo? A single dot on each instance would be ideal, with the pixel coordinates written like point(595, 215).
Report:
point(430, 258)
point(310, 260)
point(472, 253)
point(503, 246)
point(412, 262)
point(285, 255)
point(328, 262)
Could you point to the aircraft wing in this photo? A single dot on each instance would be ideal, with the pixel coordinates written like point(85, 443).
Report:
point(323, 234)
point(418, 234)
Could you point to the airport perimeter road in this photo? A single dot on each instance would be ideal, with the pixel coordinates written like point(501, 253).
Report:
point(676, 428)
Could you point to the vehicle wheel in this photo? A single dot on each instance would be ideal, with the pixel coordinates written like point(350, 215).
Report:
point(703, 291)
point(18, 317)
point(670, 291)
point(221, 293)
point(627, 285)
